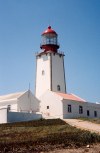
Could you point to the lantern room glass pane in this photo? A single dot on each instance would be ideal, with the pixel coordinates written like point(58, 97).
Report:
point(49, 39)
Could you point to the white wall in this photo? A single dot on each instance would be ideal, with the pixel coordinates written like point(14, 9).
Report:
point(11, 102)
point(53, 66)
point(75, 109)
point(14, 107)
point(58, 73)
point(27, 102)
point(93, 107)
point(42, 81)
point(55, 105)
point(3, 115)
point(20, 116)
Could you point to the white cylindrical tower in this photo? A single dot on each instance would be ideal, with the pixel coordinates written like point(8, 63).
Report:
point(50, 72)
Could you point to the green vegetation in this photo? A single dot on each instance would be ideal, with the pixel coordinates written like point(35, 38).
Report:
point(94, 120)
point(43, 135)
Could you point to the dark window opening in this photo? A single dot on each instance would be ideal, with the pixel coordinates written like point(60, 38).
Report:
point(47, 107)
point(80, 110)
point(69, 109)
point(58, 87)
point(95, 113)
point(88, 113)
point(9, 107)
point(43, 72)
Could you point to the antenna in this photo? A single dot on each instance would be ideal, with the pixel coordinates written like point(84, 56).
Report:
point(29, 90)
point(29, 97)
point(29, 86)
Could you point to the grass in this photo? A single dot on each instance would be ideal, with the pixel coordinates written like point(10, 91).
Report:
point(43, 135)
point(93, 120)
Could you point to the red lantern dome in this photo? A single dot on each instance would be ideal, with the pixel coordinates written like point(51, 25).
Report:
point(49, 30)
point(49, 40)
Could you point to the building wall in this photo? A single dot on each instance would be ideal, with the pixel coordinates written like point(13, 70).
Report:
point(13, 107)
point(43, 81)
point(3, 115)
point(53, 66)
point(49, 99)
point(58, 107)
point(58, 73)
point(28, 103)
point(21, 116)
point(75, 109)
point(12, 103)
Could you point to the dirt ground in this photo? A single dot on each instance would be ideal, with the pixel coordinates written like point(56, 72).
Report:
point(85, 125)
point(91, 149)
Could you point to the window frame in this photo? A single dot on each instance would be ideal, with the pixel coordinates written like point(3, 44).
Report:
point(95, 114)
point(43, 72)
point(69, 108)
point(58, 88)
point(47, 107)
point(80, 109)
point(88, 113)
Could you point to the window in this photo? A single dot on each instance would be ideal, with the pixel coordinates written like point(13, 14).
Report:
point(95, 113)
point(45, 58)
point(58, 87)
point(69, 109)
point(88, 113)
point(47, 107)
point(80, 110)
point(43, 72)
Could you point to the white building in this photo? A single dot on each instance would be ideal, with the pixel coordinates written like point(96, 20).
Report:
point(20, 102)
point(61, 105)
point(51, 84)
point(19, 106)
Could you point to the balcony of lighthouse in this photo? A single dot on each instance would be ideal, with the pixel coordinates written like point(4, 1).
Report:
point(42, 51)
point(50, 43)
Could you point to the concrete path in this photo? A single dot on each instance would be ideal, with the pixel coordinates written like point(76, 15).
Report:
point(85, 125)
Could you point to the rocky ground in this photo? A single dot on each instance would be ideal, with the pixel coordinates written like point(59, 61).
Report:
point(48, 136)
point(95, 148)
point(88, 149)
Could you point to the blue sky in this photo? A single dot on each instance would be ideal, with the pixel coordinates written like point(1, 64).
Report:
point(77, 23)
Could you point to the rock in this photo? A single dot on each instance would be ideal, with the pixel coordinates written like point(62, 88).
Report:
point(88, 146)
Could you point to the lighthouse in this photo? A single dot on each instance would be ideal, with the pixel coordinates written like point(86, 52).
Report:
point(50, 72)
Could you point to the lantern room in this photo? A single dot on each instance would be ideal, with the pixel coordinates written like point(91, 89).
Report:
point(49, 40)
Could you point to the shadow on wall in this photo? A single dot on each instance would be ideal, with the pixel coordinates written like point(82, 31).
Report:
point(21, 116)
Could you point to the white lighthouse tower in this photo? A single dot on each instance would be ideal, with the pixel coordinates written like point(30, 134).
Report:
point(50, 72)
